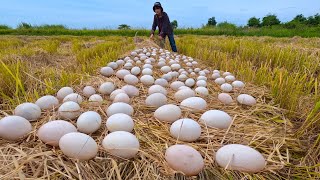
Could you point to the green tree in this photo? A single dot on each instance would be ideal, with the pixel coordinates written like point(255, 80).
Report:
point(300, 18)
point(270, 20)
point(124, 27)
point(212, 21)
point(174, 24)
point(254, 22)
point(313, 20)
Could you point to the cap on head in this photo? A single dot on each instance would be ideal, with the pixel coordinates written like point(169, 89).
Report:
point(157, 4)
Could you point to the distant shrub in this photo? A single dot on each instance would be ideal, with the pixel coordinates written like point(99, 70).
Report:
point(24, 25)
point(226, 25)
point(2, 26)
point(47, 26)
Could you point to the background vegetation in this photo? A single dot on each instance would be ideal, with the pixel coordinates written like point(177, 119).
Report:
point(269, 25)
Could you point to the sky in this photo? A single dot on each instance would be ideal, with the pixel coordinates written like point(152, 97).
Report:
point(95, 14)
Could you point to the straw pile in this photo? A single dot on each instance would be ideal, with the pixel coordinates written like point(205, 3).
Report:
point(263, 127)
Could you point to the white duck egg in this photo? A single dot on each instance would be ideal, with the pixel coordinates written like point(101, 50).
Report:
point(176, 85)
point(189, 64)
point(30, 111)
point(246, 100)
point(147, 80)
point(202, 73)
point(131, 79)
point(220, 81)
point(78, 145)
point(225, 98)
point(73, 97)
point(116, 92)
point(167, 77)
point(135, 71)
point(184, 87)
point(201, 83)
point(216, 119)
point(126, 59)
point(128, 66)
point(122, 73)
point(238, 84)
point(121, 144)
point(165, 69)
point(230, 78)
point(51, 132)
point(226, 74)
point(216, 71)
point(113, 65)
point(183, 77)
point(106, 88)
point(202, 78)
point(122, 97)
point(202, 91)
point(184, 94)
point(162, 82)
point(226, 87)
point(156, 100)
point(157, 89)
point(215, 76)
point(120, 122)
point(131, 90)
point(106, 71)
point(174, 74)
point(175, 67)
point(88, 91)
point(47, 102)
point(147, 71)
point(147, 66)
point(89, 122)
point(134, 53)
point(120, 62)
point(119, 107)
point(194, 104)
point(185, 159)
point(161, 64)
point(185, 130)
point(14, 127)
point(190, 82)
point(168, 113)
point(69, 110)
point(95, 98)
point(240, 157)
point(63, 92)
point(138, 63)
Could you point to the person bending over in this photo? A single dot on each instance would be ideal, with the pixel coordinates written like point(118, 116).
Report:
point(161, 19)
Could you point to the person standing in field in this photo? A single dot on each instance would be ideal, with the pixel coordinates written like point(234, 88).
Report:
point(161, 19)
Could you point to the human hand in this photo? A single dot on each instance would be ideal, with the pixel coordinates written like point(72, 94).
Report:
point(160, 37)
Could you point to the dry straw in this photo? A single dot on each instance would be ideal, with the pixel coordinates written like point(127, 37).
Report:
point(255, 126)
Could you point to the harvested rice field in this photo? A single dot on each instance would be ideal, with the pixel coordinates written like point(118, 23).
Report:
point(222, 108)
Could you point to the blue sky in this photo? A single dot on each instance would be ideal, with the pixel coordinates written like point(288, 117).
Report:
point(138, 13)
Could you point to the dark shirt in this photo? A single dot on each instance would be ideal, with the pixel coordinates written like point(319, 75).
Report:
point(163, 23)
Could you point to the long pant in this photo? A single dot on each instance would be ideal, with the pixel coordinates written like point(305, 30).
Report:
point(172, 42)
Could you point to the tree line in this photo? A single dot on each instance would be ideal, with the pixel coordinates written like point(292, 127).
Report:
point(254, 22)
point(272, 20)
